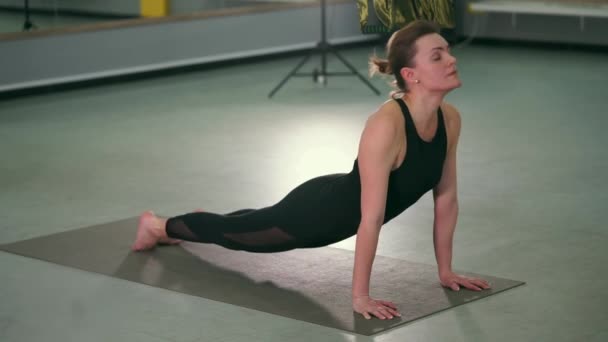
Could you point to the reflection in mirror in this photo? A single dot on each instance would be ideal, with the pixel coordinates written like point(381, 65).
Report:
point(36, 15)
point(24, 15)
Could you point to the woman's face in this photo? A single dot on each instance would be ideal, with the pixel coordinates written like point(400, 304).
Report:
point(434, 66)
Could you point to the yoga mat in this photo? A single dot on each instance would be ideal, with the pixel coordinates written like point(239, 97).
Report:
point(311, 285)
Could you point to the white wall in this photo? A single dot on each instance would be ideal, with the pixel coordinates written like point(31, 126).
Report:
point(545, 28)
point(117, 7)
point(64, 58)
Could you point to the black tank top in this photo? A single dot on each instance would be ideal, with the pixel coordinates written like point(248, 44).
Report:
point(420, 171)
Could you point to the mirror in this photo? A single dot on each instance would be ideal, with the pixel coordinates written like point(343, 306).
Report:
point(20, 17)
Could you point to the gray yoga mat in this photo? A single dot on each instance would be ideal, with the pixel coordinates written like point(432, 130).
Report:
point(311, 285)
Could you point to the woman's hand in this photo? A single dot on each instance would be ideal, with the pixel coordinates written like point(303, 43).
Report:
point(454, 281)
point(379, 308)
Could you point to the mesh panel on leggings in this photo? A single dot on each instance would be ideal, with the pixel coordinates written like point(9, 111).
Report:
point(269, 237)
point(177, 228)
point(249, 230)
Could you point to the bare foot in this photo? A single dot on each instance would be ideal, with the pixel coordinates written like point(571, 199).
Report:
point(151, 230)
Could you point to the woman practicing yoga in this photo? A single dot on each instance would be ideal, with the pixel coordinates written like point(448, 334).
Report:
point(408, 147)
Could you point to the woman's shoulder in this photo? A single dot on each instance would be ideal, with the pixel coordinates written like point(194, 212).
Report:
point(383, 123)
point(390, 110)
point(385, 113)
point(452, 119)
point(450, 111)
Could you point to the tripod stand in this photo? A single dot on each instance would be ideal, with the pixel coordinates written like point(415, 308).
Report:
point(323, 47)
point(27, 25)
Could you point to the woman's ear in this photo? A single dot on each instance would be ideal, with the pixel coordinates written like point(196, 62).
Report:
point(408, 75)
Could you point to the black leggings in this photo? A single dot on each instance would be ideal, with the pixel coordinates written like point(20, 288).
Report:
point(319, 212)
point(254, 230)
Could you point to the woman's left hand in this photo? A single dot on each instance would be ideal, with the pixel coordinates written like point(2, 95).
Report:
point(454, 281)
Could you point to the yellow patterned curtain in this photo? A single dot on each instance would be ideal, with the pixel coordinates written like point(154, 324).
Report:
point(391, 15)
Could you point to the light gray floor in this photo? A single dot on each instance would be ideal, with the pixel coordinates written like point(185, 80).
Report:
point(532, 168)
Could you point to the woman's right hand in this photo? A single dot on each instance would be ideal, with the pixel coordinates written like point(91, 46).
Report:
point(379, 308)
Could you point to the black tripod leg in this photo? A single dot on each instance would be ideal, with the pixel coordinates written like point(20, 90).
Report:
point(290, 74)
point(27, 24)
point(355, 71)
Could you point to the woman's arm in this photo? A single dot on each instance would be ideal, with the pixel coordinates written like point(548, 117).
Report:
point(445, 196)
point(446, 210)
point(378, 151)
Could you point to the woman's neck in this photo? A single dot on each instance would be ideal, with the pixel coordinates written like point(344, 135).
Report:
point(423, 108)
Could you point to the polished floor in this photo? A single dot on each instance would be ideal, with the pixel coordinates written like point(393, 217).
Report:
point(533, 161)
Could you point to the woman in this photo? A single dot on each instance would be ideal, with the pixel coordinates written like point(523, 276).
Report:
point(408, 147)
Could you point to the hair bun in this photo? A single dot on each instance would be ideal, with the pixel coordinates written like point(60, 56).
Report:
point(379, 65)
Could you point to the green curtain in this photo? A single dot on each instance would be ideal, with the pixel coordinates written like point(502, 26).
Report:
point(390, 15)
